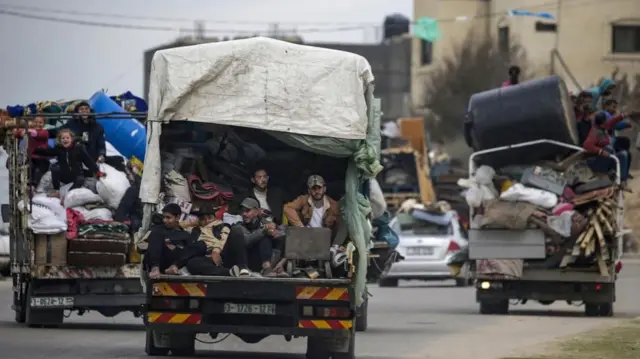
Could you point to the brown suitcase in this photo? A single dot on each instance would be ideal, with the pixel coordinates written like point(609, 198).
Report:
point(51, 249)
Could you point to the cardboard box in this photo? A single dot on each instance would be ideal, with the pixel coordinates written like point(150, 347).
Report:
point(51, 249)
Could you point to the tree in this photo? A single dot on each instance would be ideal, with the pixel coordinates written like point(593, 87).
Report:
point(475, 66)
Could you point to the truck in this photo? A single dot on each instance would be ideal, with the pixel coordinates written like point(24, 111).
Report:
point(311, 110)
point(45, 287)
point(572, 272)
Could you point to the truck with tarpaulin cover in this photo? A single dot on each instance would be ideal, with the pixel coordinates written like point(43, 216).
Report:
point(309, 109)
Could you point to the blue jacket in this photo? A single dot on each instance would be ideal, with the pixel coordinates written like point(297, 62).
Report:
point(597, 92)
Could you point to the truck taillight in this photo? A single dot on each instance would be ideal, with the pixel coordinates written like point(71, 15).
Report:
point(326, 312)
point(453, 247)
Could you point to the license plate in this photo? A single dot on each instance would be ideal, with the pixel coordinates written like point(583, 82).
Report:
point(420, 251)
point(257, 309)
point(52, 302)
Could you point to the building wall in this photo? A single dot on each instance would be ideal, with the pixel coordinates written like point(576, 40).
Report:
point(584, 37)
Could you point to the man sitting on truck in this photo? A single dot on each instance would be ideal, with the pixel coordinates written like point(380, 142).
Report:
point(314, 209)
point(166, 242)
point(260, 237)
point(270, 198)
point(212, 251)
point(583, 111)
point(598, 142)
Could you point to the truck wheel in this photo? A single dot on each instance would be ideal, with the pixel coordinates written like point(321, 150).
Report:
point(501, 307)
point(362, 314)
point(591, 309)
point(150, 346)
point(19, 302)
point(461, 282)
point(606, 310)
point(316, 349)
point(388, 282)
point(351, 353)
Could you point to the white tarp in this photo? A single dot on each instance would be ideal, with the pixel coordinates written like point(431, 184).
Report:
point(258, 83)
point(262, 83)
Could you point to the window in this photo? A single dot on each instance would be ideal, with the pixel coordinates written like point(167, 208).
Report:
point(503, 39)
point(407, 223)
point(426, 52)
point(546, 27)
point(625, 39)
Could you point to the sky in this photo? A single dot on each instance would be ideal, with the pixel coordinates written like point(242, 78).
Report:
point(44, 60)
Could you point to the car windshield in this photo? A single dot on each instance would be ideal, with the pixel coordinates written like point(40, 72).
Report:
point(407, 223)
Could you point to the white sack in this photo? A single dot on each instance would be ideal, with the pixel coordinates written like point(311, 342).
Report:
point(112, 187)
point(98, 213)
point(376, 197)
point(521, 193)
point(51, 203)
point(44, 220)
point(79, 197)
point(45, 184)
point(177, 186)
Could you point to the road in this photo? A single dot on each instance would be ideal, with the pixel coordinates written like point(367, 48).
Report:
point(434, 321)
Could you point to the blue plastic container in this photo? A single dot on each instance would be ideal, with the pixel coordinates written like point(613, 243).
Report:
point(128, 135)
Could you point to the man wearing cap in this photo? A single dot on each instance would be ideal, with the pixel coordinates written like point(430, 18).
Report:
point(212, 251)
point(314, 209)
point(166, 242)
point(260, 237)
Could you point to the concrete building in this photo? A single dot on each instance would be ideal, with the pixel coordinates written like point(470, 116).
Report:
point(390, 62)
point(592, 37)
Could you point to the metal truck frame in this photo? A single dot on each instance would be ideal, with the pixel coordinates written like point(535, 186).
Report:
point(546, 285)
point(42, 293)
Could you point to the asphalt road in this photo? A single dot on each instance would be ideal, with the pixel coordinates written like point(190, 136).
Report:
point(434, 321)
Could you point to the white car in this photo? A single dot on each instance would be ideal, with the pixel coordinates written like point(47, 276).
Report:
point(427, 242)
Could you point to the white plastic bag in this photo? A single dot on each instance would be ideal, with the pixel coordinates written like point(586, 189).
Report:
point(177, 186)
point(99, 213)
point(521, 193)
point(79, 197)
point(112, 187)
point(45, 184)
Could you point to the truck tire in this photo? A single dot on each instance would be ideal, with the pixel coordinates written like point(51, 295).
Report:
point(500, 307)
point(461, 282)
point(183, 344)
point(19, 302)
point(361, 315)
point(150, 346)
point(388, 282)
point(606, 310)
point(591, 309)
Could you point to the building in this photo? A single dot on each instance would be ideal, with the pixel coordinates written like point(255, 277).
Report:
point(390, 62)
point(594, 38)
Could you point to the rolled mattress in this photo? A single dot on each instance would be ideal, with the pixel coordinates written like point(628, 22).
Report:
point(533, 110)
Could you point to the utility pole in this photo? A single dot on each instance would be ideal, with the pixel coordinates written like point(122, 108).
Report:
point(556, 45)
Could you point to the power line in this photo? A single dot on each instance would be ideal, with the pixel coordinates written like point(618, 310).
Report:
point(355, 26)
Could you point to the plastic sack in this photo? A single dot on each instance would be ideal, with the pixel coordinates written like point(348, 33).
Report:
point(52, 204)
point(112, 187)
point(519, 192)
point(484, 175)
point(177, 186)
point(45, 184)
point(103, 214)
point(561, 223)
point(79, 197)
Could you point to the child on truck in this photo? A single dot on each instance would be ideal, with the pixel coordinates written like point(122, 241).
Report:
point(39, 138)
point(70, 158)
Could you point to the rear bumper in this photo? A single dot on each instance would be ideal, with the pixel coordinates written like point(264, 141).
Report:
point(545, 291)
point(239, 329)
point(419, 270)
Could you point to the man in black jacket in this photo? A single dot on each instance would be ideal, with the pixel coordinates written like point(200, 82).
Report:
point(263, 241)
point(270, 199)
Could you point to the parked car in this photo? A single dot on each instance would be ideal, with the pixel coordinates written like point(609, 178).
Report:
point(427, 242)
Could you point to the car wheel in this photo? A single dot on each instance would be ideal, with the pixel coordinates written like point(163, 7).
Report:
point(388, 282)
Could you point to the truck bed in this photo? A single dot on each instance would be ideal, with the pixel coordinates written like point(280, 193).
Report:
point(212, 279)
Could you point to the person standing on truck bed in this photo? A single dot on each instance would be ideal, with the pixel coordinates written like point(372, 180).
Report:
point(270, 198)
point(70, 158)
point(212, 251)
point(314, 209)
point(261, 238)
point(582, 109)
point(39, 138)
point(166, 242)
point(619, 143)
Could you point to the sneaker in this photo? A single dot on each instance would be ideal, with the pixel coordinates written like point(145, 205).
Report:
point(245, 272)
point(234, 271)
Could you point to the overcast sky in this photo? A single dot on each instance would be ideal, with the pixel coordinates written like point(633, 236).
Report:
point(44, 60)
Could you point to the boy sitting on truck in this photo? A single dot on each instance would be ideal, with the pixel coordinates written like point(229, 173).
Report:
point(212, 251)
point(166, 242)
